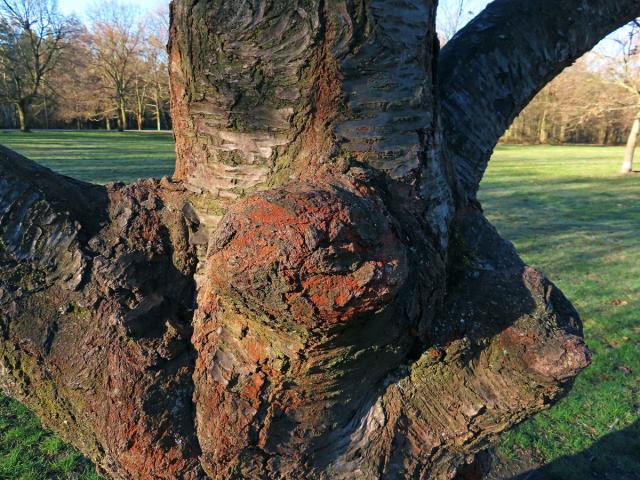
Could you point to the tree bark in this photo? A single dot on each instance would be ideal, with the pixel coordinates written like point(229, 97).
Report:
point(23, 116)
point(96, 292)
point(313, 295)
point(122, 115)
point(632, 140)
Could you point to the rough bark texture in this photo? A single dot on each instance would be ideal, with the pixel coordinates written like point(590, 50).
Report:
point(311, 296)
point(268, 91)
point(96, 294)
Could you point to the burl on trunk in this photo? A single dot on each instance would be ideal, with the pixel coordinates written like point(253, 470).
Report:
point(316, 292)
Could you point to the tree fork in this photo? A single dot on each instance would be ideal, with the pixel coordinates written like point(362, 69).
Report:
point(315, 294)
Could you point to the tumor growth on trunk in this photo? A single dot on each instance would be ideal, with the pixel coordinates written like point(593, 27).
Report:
point(316, 292)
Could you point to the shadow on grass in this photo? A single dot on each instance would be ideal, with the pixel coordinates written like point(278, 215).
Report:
point(549, 214)
point(580, 224)
point(98, 157)
point(615, 456)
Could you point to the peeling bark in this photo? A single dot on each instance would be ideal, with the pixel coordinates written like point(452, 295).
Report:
point(311, 296)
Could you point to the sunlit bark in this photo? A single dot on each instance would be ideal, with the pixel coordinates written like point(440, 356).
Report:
point(312, 295)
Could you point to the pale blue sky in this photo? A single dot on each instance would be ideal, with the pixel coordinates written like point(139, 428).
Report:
point(80, 7)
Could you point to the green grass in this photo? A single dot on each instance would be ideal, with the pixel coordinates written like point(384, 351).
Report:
point(29, 453)
point(568, 212)
point(96, 156)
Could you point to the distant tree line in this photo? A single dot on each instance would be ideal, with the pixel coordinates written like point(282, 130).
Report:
point(583, 105)
point(596, 101)
point(56, 72)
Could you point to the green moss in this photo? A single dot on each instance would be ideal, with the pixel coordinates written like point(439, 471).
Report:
point(207, 204)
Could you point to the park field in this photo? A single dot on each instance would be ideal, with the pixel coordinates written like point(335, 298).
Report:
point(568, 212)
point(97, 157)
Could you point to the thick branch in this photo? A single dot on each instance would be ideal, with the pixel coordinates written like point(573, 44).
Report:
point(307, 346)
point(492, 69)
point(96, 289)
point(81, 200)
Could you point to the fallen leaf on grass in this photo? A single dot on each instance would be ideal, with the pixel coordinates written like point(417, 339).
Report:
point(625, 370)
point(618, 303)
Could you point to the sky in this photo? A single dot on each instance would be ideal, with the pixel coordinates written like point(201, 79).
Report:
point(80, 7)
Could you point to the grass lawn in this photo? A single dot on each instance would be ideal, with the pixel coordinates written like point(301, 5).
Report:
point(95, 156)
point(29, 453)
point(568, 212)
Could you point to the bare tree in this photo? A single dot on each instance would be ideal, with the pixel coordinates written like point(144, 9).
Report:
point(581, 105)
point(33, 34)
point(116, 42)
point(73, 90)
point(316, 293)
point(155, 55)
point(452, 15)
point(139, 87)
point(625, 71)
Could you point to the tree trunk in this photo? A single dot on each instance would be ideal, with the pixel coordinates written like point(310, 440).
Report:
point(542, 133)
point(562, 136)
point(629, 151)
point(158, 112)
point(107, 123)
point(122, 115)
point(23, 116)
point(316, 293)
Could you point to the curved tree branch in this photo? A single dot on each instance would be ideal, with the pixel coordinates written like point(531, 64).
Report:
point(492, 69)
point(44, 216)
